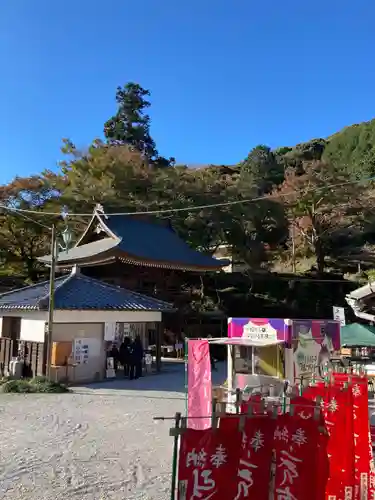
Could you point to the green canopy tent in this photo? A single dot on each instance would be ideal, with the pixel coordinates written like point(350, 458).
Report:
point(357, 335)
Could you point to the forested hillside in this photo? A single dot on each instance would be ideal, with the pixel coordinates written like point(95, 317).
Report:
point(297, 210)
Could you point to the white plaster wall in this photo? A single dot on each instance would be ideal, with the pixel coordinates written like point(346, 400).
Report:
point(76, 316)
point(1, 327)
point(32, 330)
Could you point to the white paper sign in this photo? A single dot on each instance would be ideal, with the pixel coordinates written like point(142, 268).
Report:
point(110, 332)
point(339, 315)
point(86, 348)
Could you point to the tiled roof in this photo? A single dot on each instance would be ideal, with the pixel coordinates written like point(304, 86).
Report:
point(156, 242)
point(77, 291)
point(142, 243)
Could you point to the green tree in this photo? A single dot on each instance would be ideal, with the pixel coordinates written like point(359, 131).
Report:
point(261, 169)
point(131, 124)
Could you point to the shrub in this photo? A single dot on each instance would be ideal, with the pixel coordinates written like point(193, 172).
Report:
point(34, 385)
point(18, 386)
point(42, 384)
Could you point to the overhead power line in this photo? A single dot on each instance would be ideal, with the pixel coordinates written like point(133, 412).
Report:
point(193, 207)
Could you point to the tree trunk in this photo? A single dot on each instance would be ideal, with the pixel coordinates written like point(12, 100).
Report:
point(319, 254)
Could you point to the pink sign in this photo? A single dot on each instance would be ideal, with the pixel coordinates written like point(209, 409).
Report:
point(199, 385)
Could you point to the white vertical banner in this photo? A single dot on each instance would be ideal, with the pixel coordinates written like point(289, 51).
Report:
point(339, 315)
point(109, 332)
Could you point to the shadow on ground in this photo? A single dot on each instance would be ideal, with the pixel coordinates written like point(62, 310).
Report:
point(170, 379)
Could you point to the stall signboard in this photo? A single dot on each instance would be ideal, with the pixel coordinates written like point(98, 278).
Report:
point(314, 342)
point(259, 329)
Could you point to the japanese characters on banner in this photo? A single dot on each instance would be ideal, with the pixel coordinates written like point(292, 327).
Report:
point(295, 442)
point(358, 390)
point(199, 385)
point(255, 455)
point(208, 461)
point(312, 453)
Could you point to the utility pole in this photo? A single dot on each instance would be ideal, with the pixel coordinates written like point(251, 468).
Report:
point(51, 300)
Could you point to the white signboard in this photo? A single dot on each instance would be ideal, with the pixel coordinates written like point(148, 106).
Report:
point(339, 315)
point(110, 332)
point(85, 348)
point(259, 332)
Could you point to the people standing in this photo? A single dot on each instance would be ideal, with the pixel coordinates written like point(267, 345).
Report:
point(115, 354)
point(125, 355)
point(137, 356)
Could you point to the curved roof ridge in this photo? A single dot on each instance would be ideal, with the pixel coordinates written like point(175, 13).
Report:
point(62, 281)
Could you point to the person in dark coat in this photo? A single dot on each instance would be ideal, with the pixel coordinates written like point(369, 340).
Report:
point(137, 356)
point(115, 354)
point(125, 355)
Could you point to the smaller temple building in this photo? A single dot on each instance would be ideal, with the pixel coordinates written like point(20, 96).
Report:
point(86, 312)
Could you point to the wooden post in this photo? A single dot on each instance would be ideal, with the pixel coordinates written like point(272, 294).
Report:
point(159, 331)
point(174, 459)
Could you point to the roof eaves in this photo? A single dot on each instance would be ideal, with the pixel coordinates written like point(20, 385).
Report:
point(183, 267)
point(8, 307)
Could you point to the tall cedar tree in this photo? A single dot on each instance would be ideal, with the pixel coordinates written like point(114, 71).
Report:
point(131, 124)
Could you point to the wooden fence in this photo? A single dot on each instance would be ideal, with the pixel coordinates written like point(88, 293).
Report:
point(33, 354)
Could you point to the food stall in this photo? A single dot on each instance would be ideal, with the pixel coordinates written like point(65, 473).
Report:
point(267, 351)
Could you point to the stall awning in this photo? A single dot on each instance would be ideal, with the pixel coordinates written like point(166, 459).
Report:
point(245, 342)
point(357, 335)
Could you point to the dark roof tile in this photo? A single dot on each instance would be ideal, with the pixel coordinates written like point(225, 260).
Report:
point(156, 242)
point(77, 291)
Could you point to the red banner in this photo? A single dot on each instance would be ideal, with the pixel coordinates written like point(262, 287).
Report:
point(358, 389)
point(295, 442)
point(208, 464)
point(338, 416)
point(305, 409)
point(254, 468)
point(371, 495)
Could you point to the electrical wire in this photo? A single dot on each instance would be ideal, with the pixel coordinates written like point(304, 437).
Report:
point(21, 214)
point(194, 207)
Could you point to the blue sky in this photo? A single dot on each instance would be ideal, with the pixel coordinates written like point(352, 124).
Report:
point(225, 75)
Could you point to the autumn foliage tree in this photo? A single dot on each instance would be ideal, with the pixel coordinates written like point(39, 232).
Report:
point(319, 201)
point(23, 237)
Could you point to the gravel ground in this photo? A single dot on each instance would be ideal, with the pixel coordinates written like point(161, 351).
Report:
point(98, 443)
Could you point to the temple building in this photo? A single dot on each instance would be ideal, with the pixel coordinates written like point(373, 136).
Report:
point(140, 254)
point(122, 278)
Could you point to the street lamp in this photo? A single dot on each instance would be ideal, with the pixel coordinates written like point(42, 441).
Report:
point(67, 238)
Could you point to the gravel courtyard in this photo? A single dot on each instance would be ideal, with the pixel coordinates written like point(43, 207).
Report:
point(98, 443)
